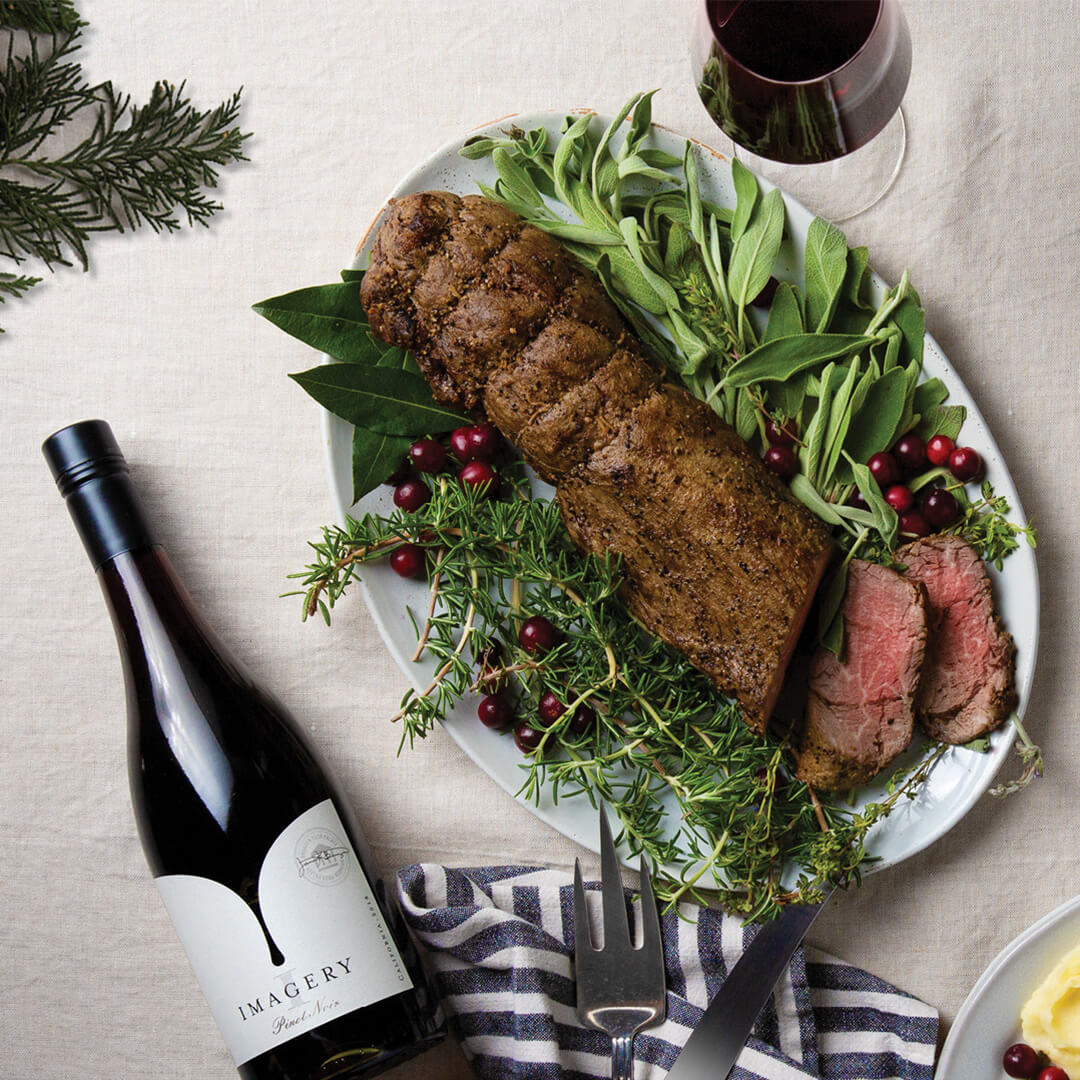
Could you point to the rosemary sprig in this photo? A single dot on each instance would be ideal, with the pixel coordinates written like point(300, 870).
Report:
point(712, 805)
point(139, 165)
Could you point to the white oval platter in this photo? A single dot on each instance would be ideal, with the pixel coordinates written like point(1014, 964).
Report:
point(959, 779)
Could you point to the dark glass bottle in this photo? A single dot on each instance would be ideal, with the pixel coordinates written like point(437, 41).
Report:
point(302, 955)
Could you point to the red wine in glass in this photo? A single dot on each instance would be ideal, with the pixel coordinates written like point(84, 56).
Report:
point(801, 81)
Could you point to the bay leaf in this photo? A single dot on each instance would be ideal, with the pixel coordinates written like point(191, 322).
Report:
point(329, 318)
point(381, 399)
point(374, 457)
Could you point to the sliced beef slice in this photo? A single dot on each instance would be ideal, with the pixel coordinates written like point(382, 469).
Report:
point(860, 712)
point(968, 679)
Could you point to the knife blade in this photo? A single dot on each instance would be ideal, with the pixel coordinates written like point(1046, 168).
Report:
point(716, 1042)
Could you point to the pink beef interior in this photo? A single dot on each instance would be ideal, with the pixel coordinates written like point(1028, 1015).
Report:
point(967, 682)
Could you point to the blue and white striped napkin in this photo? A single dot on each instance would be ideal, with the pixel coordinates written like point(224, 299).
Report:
point(500, 940)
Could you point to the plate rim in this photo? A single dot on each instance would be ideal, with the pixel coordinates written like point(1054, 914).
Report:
point(975, 995)
point(590, 839)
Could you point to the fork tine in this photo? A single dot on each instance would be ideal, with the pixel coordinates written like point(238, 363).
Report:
point(651, 941)
point(582, 935)
point(616, 926)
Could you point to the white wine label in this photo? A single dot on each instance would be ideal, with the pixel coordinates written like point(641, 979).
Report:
point(326, 951)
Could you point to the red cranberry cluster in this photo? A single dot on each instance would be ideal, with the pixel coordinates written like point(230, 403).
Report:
point(496, 710)
point(938, 507)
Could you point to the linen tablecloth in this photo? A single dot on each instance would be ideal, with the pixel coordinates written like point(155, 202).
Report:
point(159, 339)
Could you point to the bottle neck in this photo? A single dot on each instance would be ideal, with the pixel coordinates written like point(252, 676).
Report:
point(109, 518)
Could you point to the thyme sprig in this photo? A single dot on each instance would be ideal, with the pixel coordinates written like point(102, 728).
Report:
point(712, 805)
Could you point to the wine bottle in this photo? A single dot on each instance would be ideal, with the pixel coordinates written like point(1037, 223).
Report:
point(301, 954)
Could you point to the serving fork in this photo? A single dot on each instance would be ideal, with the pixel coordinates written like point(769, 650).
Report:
point(620, 989)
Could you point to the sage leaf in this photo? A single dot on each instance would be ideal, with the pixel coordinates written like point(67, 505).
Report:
point(380, 399)
point(831, 598)
point(352, 275)
point(928, 394)
point(855, 277)
point(911, 320)
point(942, 420)
point(659, 159)
point(833, 638)
point(746, 195)
point(826, 267)
point(640, 123)
point(873, 425)
point(808, 495)
point(886, 520)
point(785, 315)
point(782, 357)
point(637, 166)
point(811, 452)
point(753, 255)
point(517, 181)
point(839, 422)
point(580, 234)
point(745, 416)
point(329, 318)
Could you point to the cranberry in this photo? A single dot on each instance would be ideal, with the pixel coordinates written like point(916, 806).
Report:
point(910, 452)
point(965, 463)
point(939, 448)
point(550, 708)
point(427, 456)
point(583, 720)
point(527, 738)
point(477, 474)
point(483, 442)
point(1020, 1061)
point(884, 470)
point(856, 499)
point(914, 524)
point(459, 444)
point(536, 635)
point(411, 495)
point(785, 434)
point(495, 712)
point(408, 561)
point(940, 508)
point(782, 460)
point(900, 498)
point(402, 473)
point(1053, 1072)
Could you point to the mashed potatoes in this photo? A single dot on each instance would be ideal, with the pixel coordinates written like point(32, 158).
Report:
point(1051, 1018)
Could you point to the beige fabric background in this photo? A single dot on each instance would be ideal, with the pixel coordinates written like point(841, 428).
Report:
point(343, 99)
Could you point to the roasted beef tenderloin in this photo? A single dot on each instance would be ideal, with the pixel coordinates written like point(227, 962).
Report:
point(720, 560)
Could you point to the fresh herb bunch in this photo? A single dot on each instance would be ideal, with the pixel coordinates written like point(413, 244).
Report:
point(687, 275)
point(709, 802)
point(136, 166)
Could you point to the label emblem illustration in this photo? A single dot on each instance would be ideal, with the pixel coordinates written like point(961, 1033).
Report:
point(322, 857)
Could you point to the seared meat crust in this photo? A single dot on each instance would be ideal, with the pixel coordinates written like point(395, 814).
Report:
point(721, 560)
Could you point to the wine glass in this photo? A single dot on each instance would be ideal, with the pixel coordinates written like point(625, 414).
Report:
point(809, 91)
